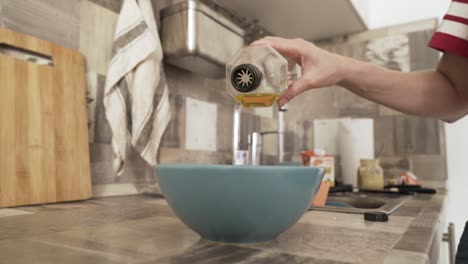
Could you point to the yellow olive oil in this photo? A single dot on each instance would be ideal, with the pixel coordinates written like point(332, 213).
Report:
point(257, 100)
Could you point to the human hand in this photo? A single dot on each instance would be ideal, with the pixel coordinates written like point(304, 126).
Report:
point(320, 68)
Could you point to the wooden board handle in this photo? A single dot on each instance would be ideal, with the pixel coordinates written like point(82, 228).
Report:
point(26, 42)
point(26, 55)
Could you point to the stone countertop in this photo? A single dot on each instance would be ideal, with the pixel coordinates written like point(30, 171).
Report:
point(143, 229)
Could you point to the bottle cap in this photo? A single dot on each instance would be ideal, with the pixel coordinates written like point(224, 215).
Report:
point(246, 78)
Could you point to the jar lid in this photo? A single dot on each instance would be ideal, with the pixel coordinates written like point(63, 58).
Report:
point(246, 78)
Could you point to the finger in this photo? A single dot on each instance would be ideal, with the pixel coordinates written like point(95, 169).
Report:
point(287, 47)
point(293, 90)
point(265, 40)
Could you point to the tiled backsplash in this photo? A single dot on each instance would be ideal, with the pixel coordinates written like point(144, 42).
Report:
point(88, 25)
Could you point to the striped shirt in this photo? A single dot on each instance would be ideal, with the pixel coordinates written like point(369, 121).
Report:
point(452, 34)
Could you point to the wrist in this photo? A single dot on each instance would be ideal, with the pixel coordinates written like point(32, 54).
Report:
point(346, 70)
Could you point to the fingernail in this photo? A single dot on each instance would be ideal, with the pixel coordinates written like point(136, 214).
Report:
point(282, 102)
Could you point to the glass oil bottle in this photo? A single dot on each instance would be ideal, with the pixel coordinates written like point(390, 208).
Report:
point(258, 75)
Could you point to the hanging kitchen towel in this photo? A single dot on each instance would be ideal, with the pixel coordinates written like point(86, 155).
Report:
point(136, 97)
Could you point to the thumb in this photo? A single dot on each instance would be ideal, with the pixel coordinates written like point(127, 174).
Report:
point(297, 87)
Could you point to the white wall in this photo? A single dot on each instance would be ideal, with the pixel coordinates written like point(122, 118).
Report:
point(457, 165)
point(382, 13)
point(363, 9)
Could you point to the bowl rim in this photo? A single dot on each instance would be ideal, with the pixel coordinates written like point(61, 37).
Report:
point(227, 166)
point(242, 168)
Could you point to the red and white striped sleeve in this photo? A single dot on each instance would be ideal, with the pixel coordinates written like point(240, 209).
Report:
point(452, 34)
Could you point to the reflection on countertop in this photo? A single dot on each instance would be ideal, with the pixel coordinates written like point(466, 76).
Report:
point(143, 229)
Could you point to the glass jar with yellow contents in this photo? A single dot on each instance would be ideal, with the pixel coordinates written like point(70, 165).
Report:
point(258, 75)
point(370, 175)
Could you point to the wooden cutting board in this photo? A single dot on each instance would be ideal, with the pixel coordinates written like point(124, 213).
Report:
point(44, 156)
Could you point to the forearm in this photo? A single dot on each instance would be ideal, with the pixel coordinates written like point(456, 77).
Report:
point(427, 93)
point(442, 93)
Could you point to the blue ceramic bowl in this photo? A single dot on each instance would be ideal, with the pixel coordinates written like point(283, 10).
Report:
point(239, 204)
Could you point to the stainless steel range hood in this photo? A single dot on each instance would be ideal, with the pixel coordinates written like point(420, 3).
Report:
point(198, 39)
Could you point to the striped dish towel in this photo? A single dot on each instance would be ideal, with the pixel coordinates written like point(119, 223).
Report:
point(136, 97)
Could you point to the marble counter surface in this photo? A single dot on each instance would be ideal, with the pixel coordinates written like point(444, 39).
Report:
point(143, 229)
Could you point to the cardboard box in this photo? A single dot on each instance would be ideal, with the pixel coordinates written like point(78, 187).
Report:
point(318, 159)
